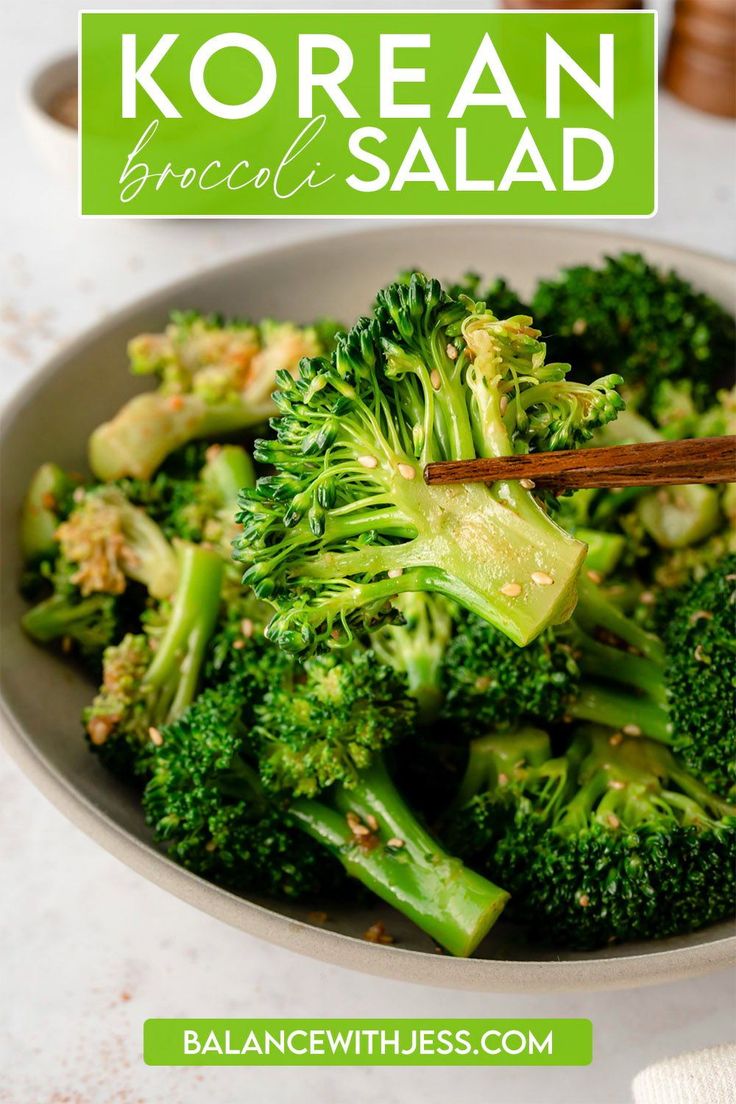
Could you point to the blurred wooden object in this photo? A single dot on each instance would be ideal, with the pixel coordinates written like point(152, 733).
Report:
point(701, 60)
point(557, 5)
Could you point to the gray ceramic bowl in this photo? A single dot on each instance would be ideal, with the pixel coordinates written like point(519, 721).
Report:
point(51, 419)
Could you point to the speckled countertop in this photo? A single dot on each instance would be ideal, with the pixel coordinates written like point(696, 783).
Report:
point(88, 950)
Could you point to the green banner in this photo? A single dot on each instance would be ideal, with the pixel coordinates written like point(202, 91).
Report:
point(292, 1042)
point(356, 113)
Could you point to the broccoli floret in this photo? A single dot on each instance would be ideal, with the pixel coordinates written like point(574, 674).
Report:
point(86, 624)
point(416, 647)
point(322, 734)
point(209, 808)
point(110, 541)
point(650, 325)
point(149, 679)
point(236, 781)
point(215, 378)
point(488, 682)
point(613, 840)
point(602, 666)
point(346, 522)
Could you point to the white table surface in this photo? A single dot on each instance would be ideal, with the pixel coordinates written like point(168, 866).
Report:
point(88, 950)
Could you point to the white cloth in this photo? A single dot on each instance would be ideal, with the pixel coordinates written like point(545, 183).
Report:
point(702, 1077)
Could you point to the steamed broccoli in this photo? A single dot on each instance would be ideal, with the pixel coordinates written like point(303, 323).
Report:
point(649, 325)
point(677, 690)
point(612, 840)
point(417, 647)
point(110, 541)
point(215, 378)
point(150, 678)
point(346, 522)
point(225, 794)
point(49, 499)
point(87, 624)
point(208, 806)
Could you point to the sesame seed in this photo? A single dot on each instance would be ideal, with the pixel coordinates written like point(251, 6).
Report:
point(503, 404)
point(451, 352)
point(579, 326)
point(594, 576)
point(663, 497)
point(360, 830)
point(503, 779)
point(98, 730)
point(368, 461)
point(701, 615)
point(511, 590)
point(616, 784)
point(613, 820)
point(541, 578)
point(435, 379)
point(48, 501)
point(631, 730)
point(317, 917)
point(247, 627)
point(482, 683)
point(211, 846)
point(352, 819)
point(175, 402)
point(395, 842)
point(395, 572)
point(238, 644)
point(372, 822)
point(527, 484)
point(78, 495)
point(583, 900)
point(212, 452)
point(699, 654)
point(407, 471)
point(616, 739)
point(647, 598)
point(155, 736)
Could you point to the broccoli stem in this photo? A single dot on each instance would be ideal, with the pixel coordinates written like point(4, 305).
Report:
point(616, 709)
point(451, 903)
point(40, 517)
point(60, 615)
point(616, 665)
point(174, 671)
point(226, 473)
point(152, 425)
point(595, 611)
point(604, 549)
point(489, 757)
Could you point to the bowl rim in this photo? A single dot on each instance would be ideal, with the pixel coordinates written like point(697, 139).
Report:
point(578, 972)
point(34, 102)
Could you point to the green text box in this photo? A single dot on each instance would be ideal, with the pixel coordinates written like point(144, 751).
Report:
point(306, 166)
point(292, 1042)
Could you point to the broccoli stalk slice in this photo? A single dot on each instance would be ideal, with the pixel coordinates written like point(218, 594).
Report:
point(172, 677)
point(455, 906)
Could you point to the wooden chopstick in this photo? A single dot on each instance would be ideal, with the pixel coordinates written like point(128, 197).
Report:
point(700, 460)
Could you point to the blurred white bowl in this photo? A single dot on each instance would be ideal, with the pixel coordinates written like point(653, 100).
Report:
point(55, 141)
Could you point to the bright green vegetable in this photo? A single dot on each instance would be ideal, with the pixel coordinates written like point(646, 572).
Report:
point(346, 522)
point(612, 840)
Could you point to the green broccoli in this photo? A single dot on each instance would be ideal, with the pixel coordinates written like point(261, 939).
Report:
point(604, 667)
point(650, 325)
point(346, 522)
point(613, 840)
point(417, 647)
point(209, 808)
point(309, 755)
point(110, 541)
point(86, 624)
point(215, 378)
point(150, 678)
